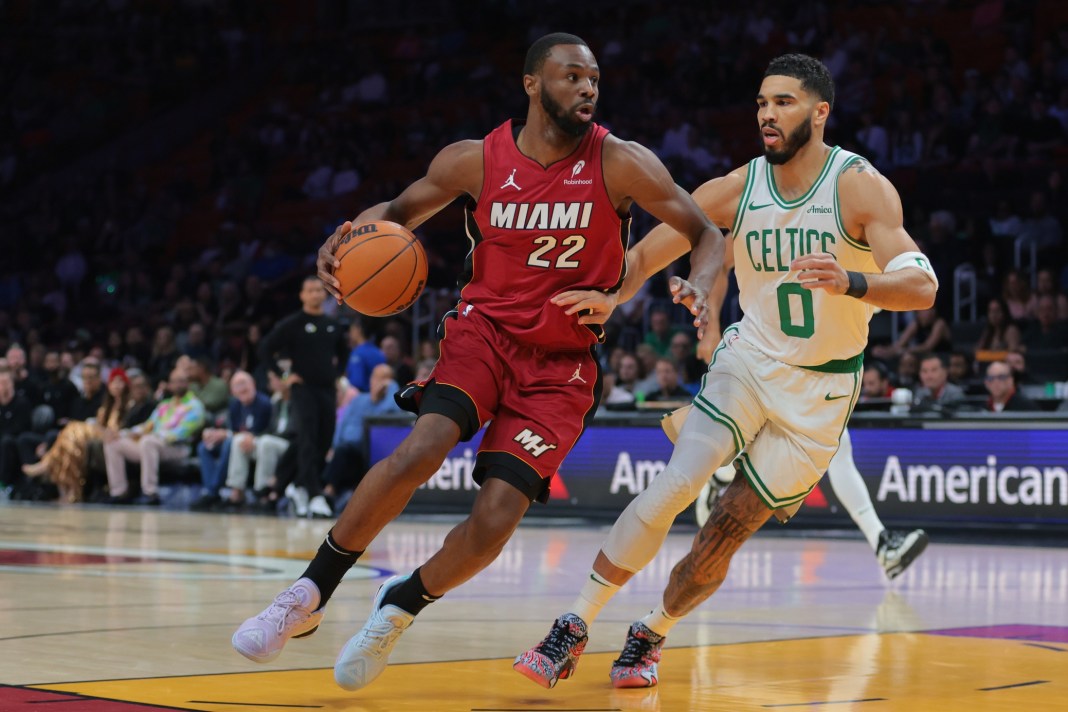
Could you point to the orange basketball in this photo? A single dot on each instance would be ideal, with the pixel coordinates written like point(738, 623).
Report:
point(382, 270)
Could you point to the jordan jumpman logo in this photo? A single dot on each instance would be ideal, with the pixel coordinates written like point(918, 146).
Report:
point(511, 181)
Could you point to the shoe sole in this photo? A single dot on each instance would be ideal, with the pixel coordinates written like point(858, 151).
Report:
point(268, 658)
point(533, 676)
point(909, 556)
point(632, 681)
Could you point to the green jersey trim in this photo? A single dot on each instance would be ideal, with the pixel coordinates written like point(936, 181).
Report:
point(770, 500)
point(842, 365)
point(850, 240)
point(720, 417)
point(791, 204)
point(750, 180)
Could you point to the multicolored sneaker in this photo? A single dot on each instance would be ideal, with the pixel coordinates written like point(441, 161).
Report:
point(556, 657)
point(294, 613)
point(636, 665)
point(899, 549)
point(366, 654)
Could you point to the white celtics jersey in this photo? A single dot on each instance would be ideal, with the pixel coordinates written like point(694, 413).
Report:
point(783, 319)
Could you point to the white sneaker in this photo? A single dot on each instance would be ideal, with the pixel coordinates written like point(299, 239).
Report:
point(318, 507)
point(366, 654)
point(292, 614)
point(710, 493)
point(298, 498)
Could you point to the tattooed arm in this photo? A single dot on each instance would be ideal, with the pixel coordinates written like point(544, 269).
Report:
point(738, 513)
point(872, 214)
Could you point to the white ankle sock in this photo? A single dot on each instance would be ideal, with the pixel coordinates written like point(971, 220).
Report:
point(595, 594)
point(660, 621)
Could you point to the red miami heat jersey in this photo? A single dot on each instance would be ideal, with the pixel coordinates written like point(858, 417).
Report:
point(536, 232)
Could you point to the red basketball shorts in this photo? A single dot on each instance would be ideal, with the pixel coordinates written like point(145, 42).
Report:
point(537, 402)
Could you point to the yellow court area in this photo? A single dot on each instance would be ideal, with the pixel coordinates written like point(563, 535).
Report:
point(881, 672)
point(129, 611)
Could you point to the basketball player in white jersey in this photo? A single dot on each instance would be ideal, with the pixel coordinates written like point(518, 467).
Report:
point(819, 243)
point(894, 550)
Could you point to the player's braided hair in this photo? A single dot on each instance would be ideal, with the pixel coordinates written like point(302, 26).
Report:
point(814, 76)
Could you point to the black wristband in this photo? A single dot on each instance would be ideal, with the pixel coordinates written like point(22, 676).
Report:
point(858, 284)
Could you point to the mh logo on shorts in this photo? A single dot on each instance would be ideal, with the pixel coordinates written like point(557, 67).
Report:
point(532, 443)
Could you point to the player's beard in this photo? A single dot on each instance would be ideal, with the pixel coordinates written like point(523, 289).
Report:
point(564, 120)
point(790, 145)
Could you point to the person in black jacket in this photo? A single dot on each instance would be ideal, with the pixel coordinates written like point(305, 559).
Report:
point(1001, 384)
point(15, 413)
point(317, 349)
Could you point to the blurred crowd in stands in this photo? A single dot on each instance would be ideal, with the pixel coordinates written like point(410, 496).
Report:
point(169, 169)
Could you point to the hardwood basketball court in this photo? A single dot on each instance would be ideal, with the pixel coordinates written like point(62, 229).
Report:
point(126, 609)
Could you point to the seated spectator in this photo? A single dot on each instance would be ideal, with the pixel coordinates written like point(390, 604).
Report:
point(1016, 294)
point(907, 374)
point(86, 405)
point(875, 383)
point(937, 393)
point(24, 384)
point(346, 464)
point(403, 369)
point(249, 413)
point(927, 333)
point(1018, 363)
point(1046, 332)
point(961, 373)
point(684, 353)
point(208, 388)
point(668, 388)
point(15, 414)
point(167, 435)
point(1002, 388)
point(66, 463)
point(364, 357)
point(614, 397)
point(55, 390)
point(34, 443)
point(1000, 332)
point(660, 331)
point(164, 354)
point(629, 374)
point(141, 403)
point(266, 449)
point(647, 357)
point(1045, 286)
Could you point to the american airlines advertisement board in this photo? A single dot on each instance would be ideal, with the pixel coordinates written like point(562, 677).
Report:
point(951, 476)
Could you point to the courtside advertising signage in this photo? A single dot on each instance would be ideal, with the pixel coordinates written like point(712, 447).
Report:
point(966, 475)
point(960, 475)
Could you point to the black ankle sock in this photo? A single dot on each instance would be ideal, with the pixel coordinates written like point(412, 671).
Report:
point(329, 566)
point(410, 595)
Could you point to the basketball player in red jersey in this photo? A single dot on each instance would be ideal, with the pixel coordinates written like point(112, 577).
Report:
point(548, 213)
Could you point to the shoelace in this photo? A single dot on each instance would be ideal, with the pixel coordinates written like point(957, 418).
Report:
point(559, 642)
point(635, 651)
point(381, 632)
point(283, 603)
